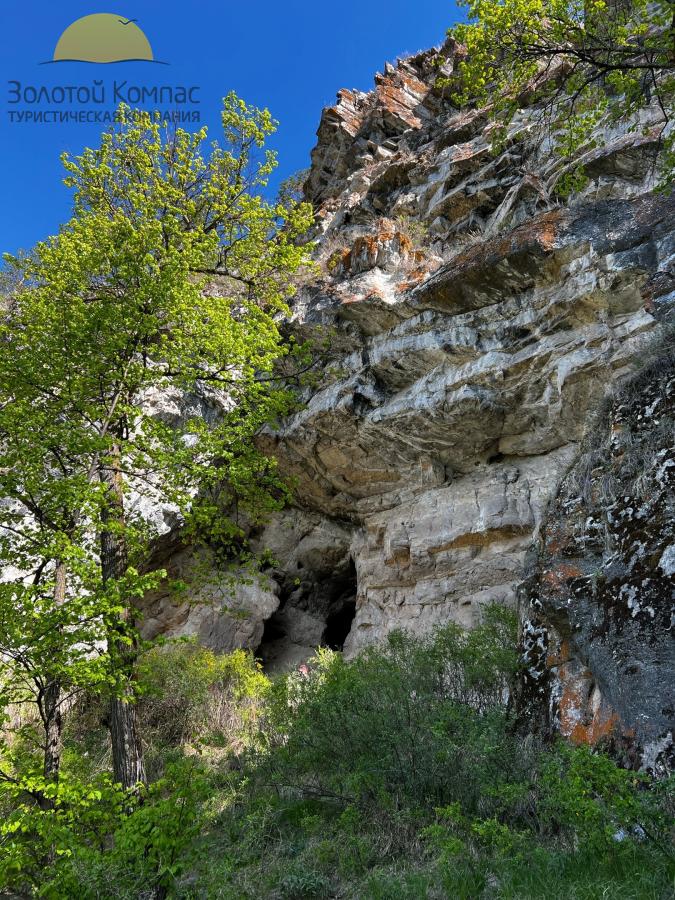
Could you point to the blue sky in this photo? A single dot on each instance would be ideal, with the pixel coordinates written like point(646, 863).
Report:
point(291, 57)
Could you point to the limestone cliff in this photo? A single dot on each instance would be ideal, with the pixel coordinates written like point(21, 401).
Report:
point(478, 322)
point(598, 608)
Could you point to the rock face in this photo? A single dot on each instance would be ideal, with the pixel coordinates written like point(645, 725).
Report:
point(223, 608)
point(478, 321)
point(600, 604)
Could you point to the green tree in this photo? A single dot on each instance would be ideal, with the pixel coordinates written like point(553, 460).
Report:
point(169, 280)
point(580, 63)
point(52, 609)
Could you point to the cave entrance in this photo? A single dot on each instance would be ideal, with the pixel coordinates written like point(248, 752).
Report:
point(339, 624)
point(273, 630)
point(318, 612)
point(341, 611)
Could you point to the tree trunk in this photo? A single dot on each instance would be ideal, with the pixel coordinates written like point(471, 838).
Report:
point(127, 749)
point(53, 729)
point(51, 699)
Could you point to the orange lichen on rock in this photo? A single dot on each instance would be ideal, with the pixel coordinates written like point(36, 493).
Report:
point(487, 272)
point(347, 111)
point(558, 655)
point(414, 278)
point(558, 537)
point(583, 715)
point(399, 93)
point(387, 248)
point(556, 577)
point(538, 235)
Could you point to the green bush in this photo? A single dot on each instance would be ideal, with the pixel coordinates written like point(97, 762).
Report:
point(399, 774)
point(419, 720)
point(589, 800)
point(191, 695)
point(394, 776)
point(98, 841)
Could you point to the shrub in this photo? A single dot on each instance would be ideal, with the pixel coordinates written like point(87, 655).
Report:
point(590, 801)
point(398, 774)
point(394, 775)
point(414, 229)
point(99, 841)
point(420, 720)
point(190, 694)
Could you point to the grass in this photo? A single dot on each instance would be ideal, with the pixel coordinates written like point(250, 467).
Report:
point(396, 776)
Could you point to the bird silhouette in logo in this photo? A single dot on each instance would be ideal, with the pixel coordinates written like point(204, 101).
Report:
point(103, 38)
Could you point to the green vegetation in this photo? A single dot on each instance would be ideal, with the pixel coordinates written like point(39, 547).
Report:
point(396, 775)
point(148, 772)
point(169, 281)
point(580, 64)
point(415, 230)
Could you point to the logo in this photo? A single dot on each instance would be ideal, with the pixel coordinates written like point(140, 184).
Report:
point(103, 38)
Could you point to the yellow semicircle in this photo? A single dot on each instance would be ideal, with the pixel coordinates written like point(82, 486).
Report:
point(103, 38)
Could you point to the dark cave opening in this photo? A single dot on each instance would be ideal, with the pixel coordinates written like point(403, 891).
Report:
point(342, 609)
point(273, 630)
point(339, 623)
point(316, 611)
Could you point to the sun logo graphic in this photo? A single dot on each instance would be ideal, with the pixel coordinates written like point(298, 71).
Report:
point(103, 38)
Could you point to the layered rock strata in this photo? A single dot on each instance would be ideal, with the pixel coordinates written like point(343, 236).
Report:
point(477, 321)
